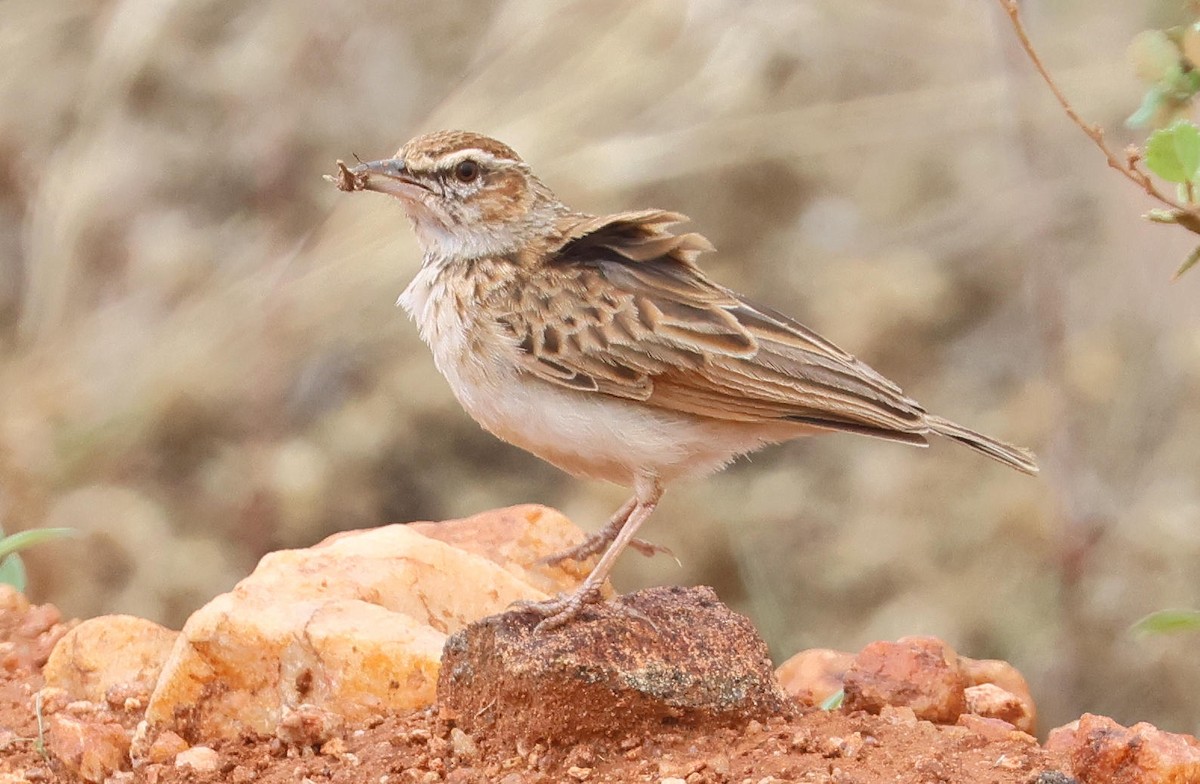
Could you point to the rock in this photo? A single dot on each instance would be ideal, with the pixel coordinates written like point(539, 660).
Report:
point(814, 675)
point(920, 673)
point(991, 729)
point(898, 714)
point(463, 745)
point(308, 725)
point(112, 651)
point(1062, 739)
point(90, 750)
point(28, 631)
point(1017, 708)
point(201, 759)
point(987, 700)
point(1101, 750)
point(52, 699)
point(517, 539)
point(164, 748)
point(12, 602)
point(923, 673)
point(353, 626)
point(675, 657)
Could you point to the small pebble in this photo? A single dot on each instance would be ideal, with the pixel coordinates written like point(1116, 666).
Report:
point(201, 759)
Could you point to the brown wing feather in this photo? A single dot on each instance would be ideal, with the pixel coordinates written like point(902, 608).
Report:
point(626, 312)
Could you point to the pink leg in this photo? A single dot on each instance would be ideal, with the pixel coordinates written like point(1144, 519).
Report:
point(601, 539)
point(563, 609)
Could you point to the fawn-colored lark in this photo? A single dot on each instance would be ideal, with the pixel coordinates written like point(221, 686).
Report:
point(598, 344)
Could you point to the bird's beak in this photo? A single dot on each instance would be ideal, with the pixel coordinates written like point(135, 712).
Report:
point(387, 176)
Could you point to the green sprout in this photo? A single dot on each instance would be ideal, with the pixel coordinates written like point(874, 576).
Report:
point(1169, 622)
point(12, 568)
point(833, 701)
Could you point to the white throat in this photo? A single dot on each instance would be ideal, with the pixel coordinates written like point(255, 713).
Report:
point(438, 242)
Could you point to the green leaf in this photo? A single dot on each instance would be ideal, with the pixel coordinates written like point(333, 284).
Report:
point(833, 701)
point(1169, 621)
point(19, 541)
point(12, 572)
point(1173, 153)
point(1187, 264)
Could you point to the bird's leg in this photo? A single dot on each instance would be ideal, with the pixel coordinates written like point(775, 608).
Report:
point(562, 609)
point(601, 539)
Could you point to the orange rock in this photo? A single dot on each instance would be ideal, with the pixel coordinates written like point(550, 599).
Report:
point(517, 538)
point(659, 658)
point(29, 631)
point(201, 759)
point(308, 725)
point(992, 729)
point(1062, 739)
point(1103, 751)
point(110, 651)
point(12, 600)
point(814, 675)
point(1017, 709)
point(990, 701)
point(920, 673)
point(164, 748)
point(353, 626)
point(90, 750)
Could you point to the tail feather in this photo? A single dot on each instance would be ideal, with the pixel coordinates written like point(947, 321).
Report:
point(1015, 456)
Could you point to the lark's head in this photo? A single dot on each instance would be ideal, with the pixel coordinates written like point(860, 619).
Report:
point(466, 194)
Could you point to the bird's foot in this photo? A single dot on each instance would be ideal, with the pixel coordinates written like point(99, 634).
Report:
point(565, 608)
point(562, 609)
point(596, 543)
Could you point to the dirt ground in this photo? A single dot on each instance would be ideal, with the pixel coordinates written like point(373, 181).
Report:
point(811, 745)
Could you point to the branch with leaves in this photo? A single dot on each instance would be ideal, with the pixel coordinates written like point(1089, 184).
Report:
point(1168, 61)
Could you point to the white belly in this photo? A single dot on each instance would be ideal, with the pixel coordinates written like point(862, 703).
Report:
point(585, 434)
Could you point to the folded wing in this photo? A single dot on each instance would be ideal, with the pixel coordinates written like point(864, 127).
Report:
point(625, 311)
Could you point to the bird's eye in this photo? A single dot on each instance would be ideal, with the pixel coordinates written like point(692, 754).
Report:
point(466, 171)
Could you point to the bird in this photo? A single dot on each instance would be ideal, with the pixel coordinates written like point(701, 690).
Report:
point(597, 343)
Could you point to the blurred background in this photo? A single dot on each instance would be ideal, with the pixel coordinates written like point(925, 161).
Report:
point(200, 359)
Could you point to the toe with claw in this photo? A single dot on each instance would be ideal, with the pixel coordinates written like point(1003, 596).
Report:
point(562, 609)
point(565, 608)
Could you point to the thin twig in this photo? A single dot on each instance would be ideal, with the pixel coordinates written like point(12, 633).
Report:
point(1127, 167)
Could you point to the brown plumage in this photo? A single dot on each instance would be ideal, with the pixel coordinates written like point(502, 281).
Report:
point(598, 344)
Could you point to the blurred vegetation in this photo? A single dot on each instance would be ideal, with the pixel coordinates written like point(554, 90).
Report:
point(200, 360)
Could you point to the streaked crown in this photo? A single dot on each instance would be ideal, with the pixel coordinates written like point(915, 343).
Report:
point(433, 149)
point(467, 194)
